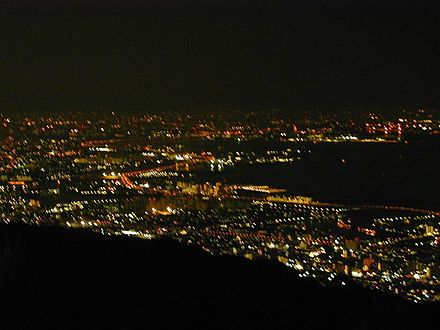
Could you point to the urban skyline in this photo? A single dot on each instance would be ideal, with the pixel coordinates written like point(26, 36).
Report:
point(153, 176)
point(252, 163)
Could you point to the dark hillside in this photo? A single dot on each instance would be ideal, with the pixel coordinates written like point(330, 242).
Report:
point(59, 279)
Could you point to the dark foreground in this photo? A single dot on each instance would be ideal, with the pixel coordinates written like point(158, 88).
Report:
point(51, 278)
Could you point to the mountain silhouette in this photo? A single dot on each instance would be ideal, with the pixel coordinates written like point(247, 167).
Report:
point(54, 278)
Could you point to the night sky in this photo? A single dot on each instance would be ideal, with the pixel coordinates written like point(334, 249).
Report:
point(172, 55)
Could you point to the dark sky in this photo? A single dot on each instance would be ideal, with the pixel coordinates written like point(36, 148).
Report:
point(154, 55)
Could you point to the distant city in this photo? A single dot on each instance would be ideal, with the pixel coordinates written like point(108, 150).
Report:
point(191, 177)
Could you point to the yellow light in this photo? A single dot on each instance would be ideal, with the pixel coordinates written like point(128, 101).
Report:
point(298, 267)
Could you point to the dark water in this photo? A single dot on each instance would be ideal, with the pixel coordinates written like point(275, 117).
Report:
point(400, 174)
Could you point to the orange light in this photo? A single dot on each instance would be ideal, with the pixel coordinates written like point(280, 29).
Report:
point(17, 183)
